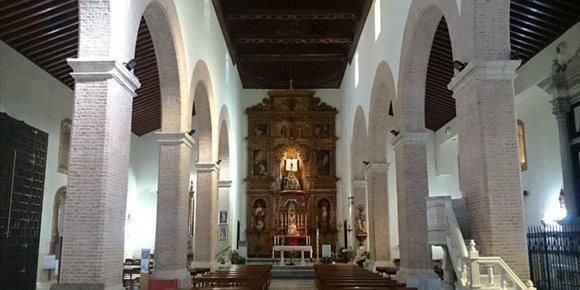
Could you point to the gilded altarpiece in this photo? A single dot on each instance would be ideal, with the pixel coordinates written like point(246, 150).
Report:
point(291, 183)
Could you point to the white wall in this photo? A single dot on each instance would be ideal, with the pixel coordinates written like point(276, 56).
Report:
point(543, 178)
point(30, 94)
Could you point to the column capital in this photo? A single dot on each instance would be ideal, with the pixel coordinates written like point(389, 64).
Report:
point(207, 167)
point(103, 69)
point(175, 138)
point(408, 138)
point(359, 183)
point(484, 70)
point(378, 166)
point(224, 183)
point(561, 107)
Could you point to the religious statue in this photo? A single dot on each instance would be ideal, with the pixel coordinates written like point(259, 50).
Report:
point(292, 227)
point(291, 182)
point(361, 226)
point(361, 221)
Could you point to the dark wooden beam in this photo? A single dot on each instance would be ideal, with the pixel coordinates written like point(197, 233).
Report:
point(312, 40)
point(336, 57)
point(292, 16)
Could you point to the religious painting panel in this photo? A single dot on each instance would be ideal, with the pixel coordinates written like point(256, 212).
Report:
point(223, 217)
point(259, 162)
point(323, 162)
point(261, 129)
point(223, 232)
point(259, 215)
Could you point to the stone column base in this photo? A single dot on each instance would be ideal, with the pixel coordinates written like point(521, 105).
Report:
point(182, 276)
point(424, 279)
point(85, 286)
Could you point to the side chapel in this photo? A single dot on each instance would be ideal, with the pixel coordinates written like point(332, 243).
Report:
point(291, 183)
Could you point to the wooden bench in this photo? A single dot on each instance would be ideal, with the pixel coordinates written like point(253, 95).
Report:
point(387, 271)
point(239, 276)
point(351, 277)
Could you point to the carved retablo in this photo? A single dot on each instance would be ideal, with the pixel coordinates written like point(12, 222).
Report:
point(291, 178)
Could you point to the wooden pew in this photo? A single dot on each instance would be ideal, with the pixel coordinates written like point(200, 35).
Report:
point(240, 276)
point(353, 277)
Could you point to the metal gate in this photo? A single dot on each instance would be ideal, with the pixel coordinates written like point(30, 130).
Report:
point(554, 253)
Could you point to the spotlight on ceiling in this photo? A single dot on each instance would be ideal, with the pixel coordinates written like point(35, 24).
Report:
point(366, 162)
point(130, 65)
point(219, 161)
point(191, 132)
point(395, 132)
point(459, 66)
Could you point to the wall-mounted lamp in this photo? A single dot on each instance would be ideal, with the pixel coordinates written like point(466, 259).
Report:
point(348, 228)
point(130, 65)
point(350, 200)
point(395, 132)
point(191, 132)
point(459, 66)
point(365, 162)
point(219, 161)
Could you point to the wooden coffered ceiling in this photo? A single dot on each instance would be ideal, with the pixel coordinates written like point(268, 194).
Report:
point(308, 42)
point(271, 42)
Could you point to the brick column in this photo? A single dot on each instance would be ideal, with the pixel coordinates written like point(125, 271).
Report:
point(412, 192)
point(489, 169)
point(206, 216)
point(94, 226)
point(378, 197)
point(172, 208)
point(359, 192)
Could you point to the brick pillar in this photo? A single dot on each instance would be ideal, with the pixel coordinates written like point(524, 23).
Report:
point(206, 216)
point(489, 169)
point(94, 226)
point(378, 197)
point(412, 192)
point(172, 208)
point(359, 192)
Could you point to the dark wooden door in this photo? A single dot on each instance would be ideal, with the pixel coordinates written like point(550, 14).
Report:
point(22, 169)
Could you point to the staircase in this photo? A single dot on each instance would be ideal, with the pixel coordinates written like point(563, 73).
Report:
point(463, 267)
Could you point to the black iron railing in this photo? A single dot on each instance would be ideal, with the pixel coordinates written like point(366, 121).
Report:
point(554, 253)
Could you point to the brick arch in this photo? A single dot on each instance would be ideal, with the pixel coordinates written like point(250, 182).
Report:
point(383, 92)
point(163, 24)
point(204, 111)
point(359, 145)
point(422, 21)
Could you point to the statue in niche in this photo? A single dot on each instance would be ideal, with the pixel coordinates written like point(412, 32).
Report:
point(361, 221)
point(292, 227)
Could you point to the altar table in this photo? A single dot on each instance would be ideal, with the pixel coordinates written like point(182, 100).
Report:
point(283, 249)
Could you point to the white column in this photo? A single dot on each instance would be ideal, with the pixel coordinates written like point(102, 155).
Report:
point(172, 207)
point(98, 175)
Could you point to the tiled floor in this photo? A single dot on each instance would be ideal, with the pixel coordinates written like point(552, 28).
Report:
point(279, 284)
